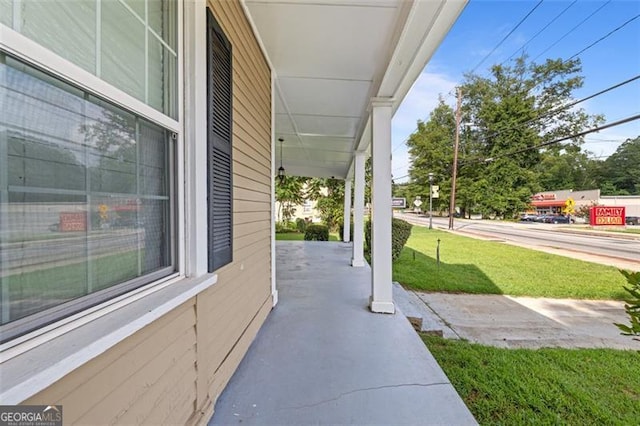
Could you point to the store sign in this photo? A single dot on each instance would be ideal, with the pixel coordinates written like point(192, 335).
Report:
point(602, 215)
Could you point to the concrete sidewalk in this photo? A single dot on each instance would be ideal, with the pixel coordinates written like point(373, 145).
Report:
point(323, 358)
point(526, 322)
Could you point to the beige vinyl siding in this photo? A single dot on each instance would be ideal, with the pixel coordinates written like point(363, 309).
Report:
point(238, 304)
point(173, 370)
point(125, 379)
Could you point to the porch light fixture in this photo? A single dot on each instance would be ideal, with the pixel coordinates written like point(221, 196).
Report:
point(281, 169)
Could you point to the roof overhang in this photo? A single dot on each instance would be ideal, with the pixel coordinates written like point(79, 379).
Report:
point(329, 58)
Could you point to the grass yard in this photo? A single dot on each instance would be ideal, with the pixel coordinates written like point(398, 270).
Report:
point(484, 267)
point(544, 386)
point(298, 236)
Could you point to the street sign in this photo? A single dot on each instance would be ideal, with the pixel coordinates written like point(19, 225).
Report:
point(569, 206)
point(399, 203)
point(435, 191)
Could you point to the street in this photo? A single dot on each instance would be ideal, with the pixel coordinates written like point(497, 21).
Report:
point(621, 251)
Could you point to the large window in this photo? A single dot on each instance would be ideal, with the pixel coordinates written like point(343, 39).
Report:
point(85, 199)
point(132, 44)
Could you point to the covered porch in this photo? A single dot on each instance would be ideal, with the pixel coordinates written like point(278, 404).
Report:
point(323, 358)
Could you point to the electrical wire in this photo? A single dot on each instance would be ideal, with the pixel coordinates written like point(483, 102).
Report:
point(572, 30)
point(507, 36)
point(604, 37)
point(565, 138)
point(540, 31)
point(565, 107)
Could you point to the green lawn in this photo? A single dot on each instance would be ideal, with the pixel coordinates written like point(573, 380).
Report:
point(544, 386)
point(297, 236)
point(485, 267)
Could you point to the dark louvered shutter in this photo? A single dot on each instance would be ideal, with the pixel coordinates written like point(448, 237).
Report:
point(219, 133)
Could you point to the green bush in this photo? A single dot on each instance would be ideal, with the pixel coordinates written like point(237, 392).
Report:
point(316, 233)
point(400, 232)
point(632, 307)
point(301, 224)
point(285, 227)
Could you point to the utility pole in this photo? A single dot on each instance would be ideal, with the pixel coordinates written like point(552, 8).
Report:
point(452, 203)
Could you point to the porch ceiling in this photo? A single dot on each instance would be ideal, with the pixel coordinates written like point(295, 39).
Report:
point(330, 57)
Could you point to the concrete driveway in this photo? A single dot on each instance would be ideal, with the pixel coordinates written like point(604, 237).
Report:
point(519, 322)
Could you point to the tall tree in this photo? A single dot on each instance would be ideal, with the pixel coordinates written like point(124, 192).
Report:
point(289, 194)
point(621, 171)
point(515, 112)
point(431, 151)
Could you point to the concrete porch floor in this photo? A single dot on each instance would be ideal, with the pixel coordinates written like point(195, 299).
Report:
point(323, 358)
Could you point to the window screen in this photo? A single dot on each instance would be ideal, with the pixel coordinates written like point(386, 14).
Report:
point(84, 199)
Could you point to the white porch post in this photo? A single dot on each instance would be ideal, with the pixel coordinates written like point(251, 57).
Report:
point(381, 287)
point(347, 212)
point(357, 258)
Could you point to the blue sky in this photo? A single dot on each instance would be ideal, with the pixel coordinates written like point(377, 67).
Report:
point(484, 23)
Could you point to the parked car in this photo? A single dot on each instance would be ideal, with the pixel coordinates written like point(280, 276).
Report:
point(559, 219)
point(528, 217)
point(632, 220)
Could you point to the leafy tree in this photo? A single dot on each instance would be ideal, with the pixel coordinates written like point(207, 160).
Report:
point(331, 206)
point(431, 151)
point(514, 111)
point(620, 173)
point(572, 169)
point(289, 194)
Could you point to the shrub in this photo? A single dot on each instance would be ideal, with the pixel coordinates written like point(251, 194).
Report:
point(400, 232)
point(301, 224)
point(285, 227)
point(316, 233)
point(632, 307)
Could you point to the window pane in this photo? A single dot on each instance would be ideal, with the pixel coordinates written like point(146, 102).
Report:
point(84, 195)
point(163, 20)
point(44, 244)
point(162, 77)
point(6, 12)
point(138, 6)
point(114, 246)
point(112, 148)
point(68, 28)
point(123, 49)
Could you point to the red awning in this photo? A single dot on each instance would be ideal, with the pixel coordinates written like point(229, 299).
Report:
point(548, 203)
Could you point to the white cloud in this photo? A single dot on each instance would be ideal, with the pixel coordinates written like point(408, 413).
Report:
point(417, 105)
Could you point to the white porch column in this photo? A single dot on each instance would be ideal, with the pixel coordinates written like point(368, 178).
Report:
point(347, 212)
point(381, 287)
point(357, 258)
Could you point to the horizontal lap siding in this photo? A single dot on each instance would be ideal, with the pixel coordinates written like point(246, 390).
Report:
point(135, 377)
point(231, 312)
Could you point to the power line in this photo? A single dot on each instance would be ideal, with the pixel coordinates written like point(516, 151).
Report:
point(606, 36)
point(565, 107)
point(572, 30)
point(507, 36)
point(541, 30)
point(575, 135)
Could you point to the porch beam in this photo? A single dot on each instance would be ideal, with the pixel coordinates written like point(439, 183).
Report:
point(357, 259)
point(381, 287)
point(347, 212)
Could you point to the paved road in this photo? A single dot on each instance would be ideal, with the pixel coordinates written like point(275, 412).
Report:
point(622, 251)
